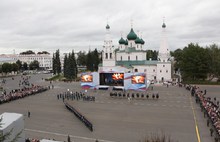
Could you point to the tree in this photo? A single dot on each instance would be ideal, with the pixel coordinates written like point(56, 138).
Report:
point(213, 52)
point(43, 52)
point(19, 63)
point(56, 62)
point(65, 66)
point(34, 65)
point(89, 61)
point(152, 55)
point(27, 52)
point(192, 62)
point(96, 60)
point(70, 66)
point(92, 60)
point(81, 60)
point(6, 67)
point(177, 54)
point(25, 66)
point(14, 67)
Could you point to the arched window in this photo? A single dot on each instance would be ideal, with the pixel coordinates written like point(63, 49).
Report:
point(135, 70)
point(136, 57)
point(121, 58)
point(128, 58)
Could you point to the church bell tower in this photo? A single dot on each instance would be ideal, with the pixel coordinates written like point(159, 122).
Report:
point(108, 54)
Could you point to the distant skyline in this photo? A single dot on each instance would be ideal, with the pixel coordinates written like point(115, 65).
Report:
point(48, 25)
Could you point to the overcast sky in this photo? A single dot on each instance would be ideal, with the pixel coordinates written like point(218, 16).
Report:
point(77, 25)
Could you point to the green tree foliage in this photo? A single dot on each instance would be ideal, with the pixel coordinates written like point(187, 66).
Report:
point(152, 55)
point(96, 60)
point(19, 63)
point(43, 52)
point(213, 52)
point(89, 61)
point(27, 52)
point(6, 68)
point(56, 62)
point(178, 58)
point(65, 66)
point(70, 66)
point(92, 60)
point(14, 67)
point(81, 60)
point(25, 66)
point(193, 62)
point(34, 65)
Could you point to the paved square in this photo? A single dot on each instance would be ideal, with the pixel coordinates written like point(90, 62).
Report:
point(114, 119)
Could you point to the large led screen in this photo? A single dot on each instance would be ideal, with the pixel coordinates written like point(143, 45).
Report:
point(138, 79)
point(112, 79)
point(86, 78)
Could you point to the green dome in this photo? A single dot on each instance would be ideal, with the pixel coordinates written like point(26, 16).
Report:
point(121, 41)
point(131, 35)
point(138, 40)
point(126, 42)
point(107, 26)
point(142, 41)
point(164, 25)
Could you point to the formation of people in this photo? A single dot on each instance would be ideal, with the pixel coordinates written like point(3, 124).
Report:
point(210, 108)
point(21, 93)
point(134, 95)
point(81, 117)
point(75, 96)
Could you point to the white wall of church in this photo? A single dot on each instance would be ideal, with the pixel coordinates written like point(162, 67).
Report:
point(164, 71)
point(108, 63)
point(139, 56)
point(150, 70)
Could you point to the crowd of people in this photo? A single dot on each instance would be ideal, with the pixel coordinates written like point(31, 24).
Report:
point(81, 117)
point(21, 93)
point(210, 108)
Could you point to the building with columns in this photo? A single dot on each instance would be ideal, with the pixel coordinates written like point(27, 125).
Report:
point(130, 56)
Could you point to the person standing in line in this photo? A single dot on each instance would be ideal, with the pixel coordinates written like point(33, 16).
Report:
point(68, 138)
point(29, 114)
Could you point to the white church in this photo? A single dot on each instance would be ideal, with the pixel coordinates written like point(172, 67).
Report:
point(130, 57)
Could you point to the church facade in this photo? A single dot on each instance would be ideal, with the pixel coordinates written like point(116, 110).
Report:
point(130, 57)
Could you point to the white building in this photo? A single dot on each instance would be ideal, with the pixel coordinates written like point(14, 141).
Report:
point(10, 58)
point(130, 56)
point(45, 60)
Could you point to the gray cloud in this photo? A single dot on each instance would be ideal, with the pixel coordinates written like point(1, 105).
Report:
point(79, 25)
